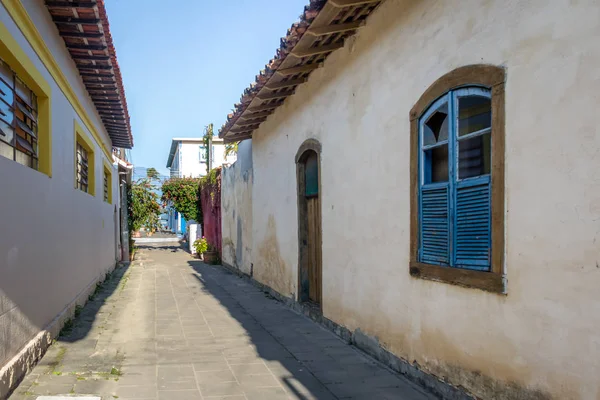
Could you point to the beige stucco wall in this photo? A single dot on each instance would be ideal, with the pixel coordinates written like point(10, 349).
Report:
point(543, 337)
point(236, 216)
point(54, 240)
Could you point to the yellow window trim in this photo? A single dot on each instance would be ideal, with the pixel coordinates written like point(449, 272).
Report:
point(108, 170)
point(88, 145)
point(21, 18)
point(13, 54)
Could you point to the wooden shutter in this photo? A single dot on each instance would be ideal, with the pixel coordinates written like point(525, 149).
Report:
point(473, 223)
point(434, 225)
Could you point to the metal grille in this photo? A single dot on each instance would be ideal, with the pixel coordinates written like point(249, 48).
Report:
point(18, 119)
point(105, 186)
point(82, 168)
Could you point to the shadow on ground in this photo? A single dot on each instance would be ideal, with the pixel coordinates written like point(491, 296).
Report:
point(173, 248)
point(72, 364)
point(311, 362)
point(297, 379)
point(79, 327)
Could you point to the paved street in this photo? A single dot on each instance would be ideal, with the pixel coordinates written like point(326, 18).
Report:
point(172, 328)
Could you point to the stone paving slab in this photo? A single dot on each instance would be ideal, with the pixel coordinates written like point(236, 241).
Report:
point(170, 327)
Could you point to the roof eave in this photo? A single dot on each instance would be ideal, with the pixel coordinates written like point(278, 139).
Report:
point(84, 27)
point(322, 29)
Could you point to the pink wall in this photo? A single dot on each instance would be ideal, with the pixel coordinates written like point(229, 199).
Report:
point(210, 197)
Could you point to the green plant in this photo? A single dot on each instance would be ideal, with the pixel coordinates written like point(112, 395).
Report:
point(231, 148)
point(182, 194)
point(201, 245)
point(67, 328)
point(208, 133)
point(152, 173)
point(143, 206)
point(132, 247)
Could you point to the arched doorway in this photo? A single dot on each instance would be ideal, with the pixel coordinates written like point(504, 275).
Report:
point(308, 167)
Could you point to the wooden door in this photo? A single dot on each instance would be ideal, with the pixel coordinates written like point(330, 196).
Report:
point(313, 226)
point(314, 248)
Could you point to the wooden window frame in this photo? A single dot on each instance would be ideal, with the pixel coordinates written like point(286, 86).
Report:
point(24, 68)
point(82, 139)
point(23, 120)
point(493, 78)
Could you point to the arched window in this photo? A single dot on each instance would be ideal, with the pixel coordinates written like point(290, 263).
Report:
point(455, 166)
point(457, 130)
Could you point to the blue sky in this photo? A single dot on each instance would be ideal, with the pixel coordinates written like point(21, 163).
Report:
point(185, 65)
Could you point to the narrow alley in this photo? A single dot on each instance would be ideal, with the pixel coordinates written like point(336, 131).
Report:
point(170, 327)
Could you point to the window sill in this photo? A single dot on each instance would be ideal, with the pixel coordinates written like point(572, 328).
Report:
point(488, 281)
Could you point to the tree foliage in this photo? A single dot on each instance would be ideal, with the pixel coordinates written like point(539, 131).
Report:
point(152, 173)
point(182, 193)
point(231, 148)
point(144, 209)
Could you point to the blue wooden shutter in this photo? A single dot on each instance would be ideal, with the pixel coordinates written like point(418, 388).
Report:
point(472, 224)
point(434, 230)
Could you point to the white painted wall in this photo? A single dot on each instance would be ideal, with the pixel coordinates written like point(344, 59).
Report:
point(544, 335)
point(188, 163)
point(55, 240)
point(236, 210)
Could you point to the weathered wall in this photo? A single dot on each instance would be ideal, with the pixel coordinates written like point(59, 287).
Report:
point(54, 239)
point(542, 338)
point(210, 198)
point(236, 210)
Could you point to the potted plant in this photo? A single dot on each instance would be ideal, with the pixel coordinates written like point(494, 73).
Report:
point(211, 255)
point(201, 246)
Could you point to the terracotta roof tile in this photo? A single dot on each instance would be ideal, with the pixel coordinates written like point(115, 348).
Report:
point(85, 29)
point(332, 14)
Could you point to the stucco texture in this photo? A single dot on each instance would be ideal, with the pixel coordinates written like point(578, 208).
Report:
point(55, 240)
point(236, 216)
point(541, 339)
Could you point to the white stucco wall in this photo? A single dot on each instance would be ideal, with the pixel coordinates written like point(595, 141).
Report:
point(542, 338)
point(189, 155)
point(191, 165)
point(236, 211)
point(55, 240)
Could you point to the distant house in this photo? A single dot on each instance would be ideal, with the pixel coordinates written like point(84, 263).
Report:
point(64, 131)
point(425, 175)
point(187, 159)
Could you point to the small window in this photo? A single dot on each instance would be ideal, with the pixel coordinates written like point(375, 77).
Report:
point(18, 119)
point(105, 191)
point(107, 185)
point(311, 171)
point(82, 169)
point(202, 154)
point(84, 162)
